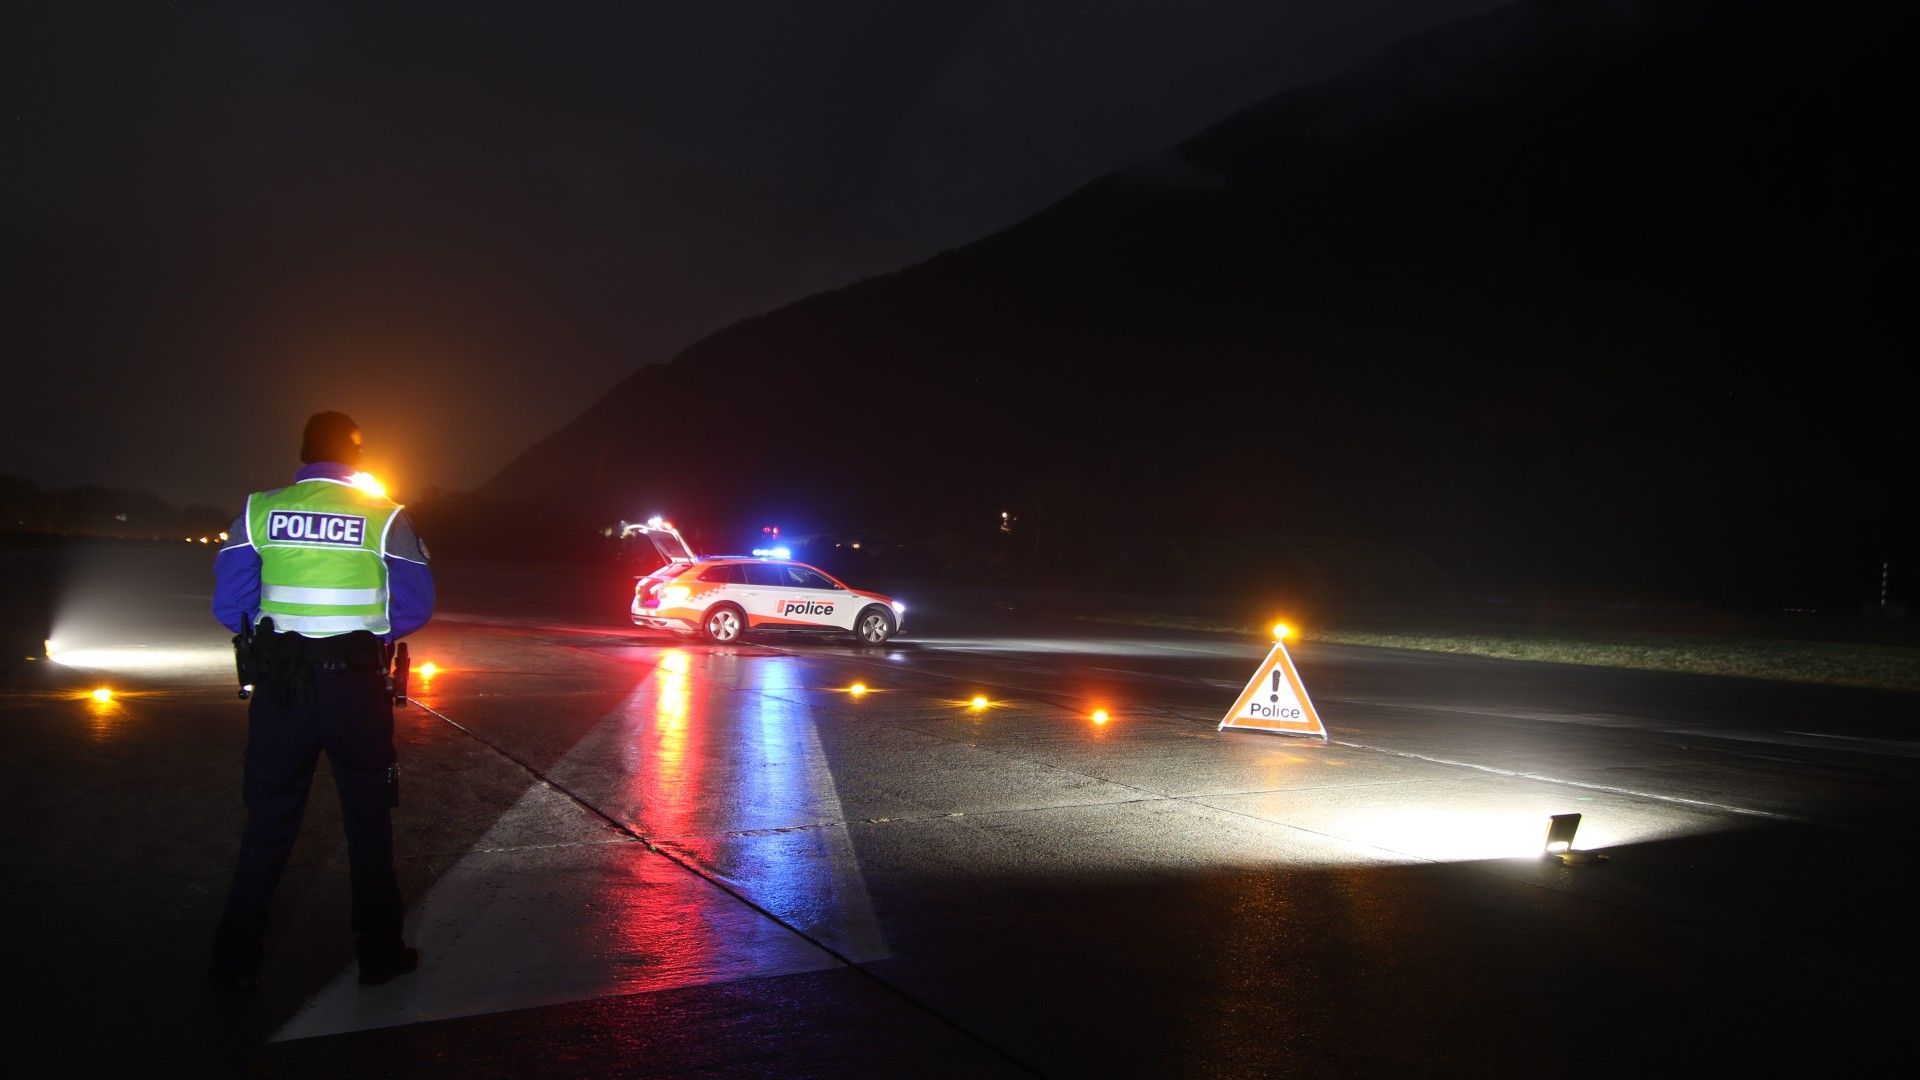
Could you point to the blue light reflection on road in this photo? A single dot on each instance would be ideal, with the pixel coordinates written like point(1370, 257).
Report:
point(778, 721)
point(785, 842)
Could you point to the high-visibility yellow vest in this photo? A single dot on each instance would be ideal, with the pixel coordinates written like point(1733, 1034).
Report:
point(321, 545)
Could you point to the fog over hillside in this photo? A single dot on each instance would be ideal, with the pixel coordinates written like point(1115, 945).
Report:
point(1614, 272)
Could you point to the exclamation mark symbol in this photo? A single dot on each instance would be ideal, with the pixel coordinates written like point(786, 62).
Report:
point(1275, 696)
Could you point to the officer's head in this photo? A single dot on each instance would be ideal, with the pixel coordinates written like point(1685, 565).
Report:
point(331, 436)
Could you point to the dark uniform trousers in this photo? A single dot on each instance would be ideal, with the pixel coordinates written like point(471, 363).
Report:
point(344, 711)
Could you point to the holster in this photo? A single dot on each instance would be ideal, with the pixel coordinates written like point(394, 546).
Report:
point(249, 654)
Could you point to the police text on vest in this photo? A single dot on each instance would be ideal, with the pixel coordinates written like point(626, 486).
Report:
point(307, 527)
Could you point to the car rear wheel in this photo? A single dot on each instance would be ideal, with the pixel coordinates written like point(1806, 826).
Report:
point(874, 626)
point(724, 624)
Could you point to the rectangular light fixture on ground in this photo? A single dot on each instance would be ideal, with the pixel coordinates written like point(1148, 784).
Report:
point(1560, 830)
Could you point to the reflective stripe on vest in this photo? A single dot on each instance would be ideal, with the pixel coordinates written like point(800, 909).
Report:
point(321, 544)
point(295, 594)
point(321, 625)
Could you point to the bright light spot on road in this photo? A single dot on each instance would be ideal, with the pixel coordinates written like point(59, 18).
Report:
point(140, 659)
point(1099, 716)
point(366, 482)
point(102, 695)
point(428, 670)
point(978, 702)
point(1281, 631)
point(857, 689)
point(1447, 835)
point(674, 660)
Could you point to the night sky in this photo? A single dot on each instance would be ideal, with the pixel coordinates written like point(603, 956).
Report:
point(462, 223)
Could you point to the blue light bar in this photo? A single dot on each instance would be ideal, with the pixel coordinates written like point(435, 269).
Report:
point(772, 553)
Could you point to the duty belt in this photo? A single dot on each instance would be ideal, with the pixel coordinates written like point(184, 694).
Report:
point(293, 659)
point(359, 651)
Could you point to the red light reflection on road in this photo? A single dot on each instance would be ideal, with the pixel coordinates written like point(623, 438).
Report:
point(670, 747)
point(664, 756)
point(670, 692)
point(723, 761)
point(716, 745)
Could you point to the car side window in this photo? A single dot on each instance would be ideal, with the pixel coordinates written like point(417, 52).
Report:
point(722, 575)
point(764, 574)
point(800, 577)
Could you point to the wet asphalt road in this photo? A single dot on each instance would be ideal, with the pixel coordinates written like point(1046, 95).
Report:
point(625, 854)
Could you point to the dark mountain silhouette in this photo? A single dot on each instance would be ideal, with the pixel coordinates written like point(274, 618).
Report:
point(1585, 293)
point(26, 508)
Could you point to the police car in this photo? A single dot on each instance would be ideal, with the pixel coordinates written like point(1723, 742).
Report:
point(726, 596)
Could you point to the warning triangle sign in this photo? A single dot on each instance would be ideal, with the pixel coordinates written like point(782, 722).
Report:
point(1276, 700)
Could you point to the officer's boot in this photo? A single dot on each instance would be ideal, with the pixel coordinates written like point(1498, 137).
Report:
point(383, 957)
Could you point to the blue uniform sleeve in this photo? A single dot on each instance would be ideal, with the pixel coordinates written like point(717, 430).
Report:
point(409, 580)
point(236, 578)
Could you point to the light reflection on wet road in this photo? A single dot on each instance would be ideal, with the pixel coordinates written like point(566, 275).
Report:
point(592, 813)
point(724, 768)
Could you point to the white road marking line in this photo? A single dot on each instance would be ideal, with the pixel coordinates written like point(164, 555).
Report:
point(1610, 789)
point(497, 934)
point(507, 929)
point(1891, 746)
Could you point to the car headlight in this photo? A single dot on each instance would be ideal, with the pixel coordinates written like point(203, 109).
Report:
point(898, 607)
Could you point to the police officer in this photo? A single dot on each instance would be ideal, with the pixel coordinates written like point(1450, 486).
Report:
point(339, 572)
